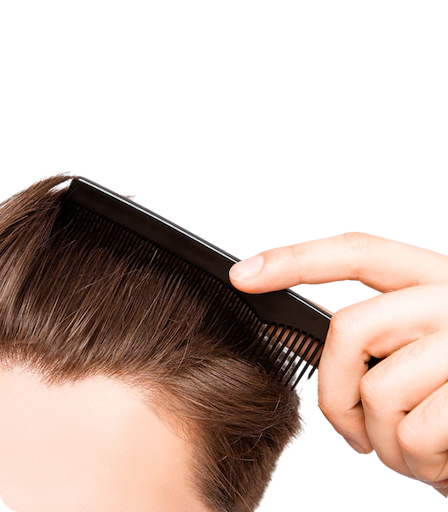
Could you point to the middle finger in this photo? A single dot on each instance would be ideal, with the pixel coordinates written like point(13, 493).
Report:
point(396, 386)
point(376, 327)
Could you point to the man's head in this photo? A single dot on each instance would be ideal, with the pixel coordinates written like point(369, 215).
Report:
point(110, 344)
point(92, 446)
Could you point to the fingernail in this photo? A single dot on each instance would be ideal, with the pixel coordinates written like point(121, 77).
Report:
point(246, 269)
point(358, 448)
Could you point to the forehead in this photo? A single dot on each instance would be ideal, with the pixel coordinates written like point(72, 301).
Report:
point(90, 446)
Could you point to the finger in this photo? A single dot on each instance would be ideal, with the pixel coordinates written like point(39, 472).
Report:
point(375, 327)
point(396, 386)
point(423, 437)
point(380, 263)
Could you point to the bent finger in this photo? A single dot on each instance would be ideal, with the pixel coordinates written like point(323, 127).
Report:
point(376, 327)
point(396, 386)
point(423, 437)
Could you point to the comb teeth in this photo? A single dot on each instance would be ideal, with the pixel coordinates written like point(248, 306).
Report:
point(288, 354)
point(284, 350)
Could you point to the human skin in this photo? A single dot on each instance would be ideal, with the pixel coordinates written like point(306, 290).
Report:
point(92, 446)
point(399, 408)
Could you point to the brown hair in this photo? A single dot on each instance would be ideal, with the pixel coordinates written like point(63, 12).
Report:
point(70, 309)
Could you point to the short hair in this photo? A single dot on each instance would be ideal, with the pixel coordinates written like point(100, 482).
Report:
point(71, 309)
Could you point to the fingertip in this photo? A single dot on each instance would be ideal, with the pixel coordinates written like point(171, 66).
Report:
point(245, 271)
point(363, 448)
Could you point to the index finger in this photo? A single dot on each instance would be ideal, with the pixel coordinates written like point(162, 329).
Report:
point(383, 264)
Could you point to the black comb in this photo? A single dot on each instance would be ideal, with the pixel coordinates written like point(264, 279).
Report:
point(288, 331)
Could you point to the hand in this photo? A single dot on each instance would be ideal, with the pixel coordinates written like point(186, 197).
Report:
point(399, 408)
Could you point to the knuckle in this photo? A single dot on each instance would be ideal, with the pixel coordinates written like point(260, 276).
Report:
point(342, 323)
point(411, 441)
point(343, 333)
point(358, 244)
point(357, 241)
point(372, 388)
point(408, 439)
